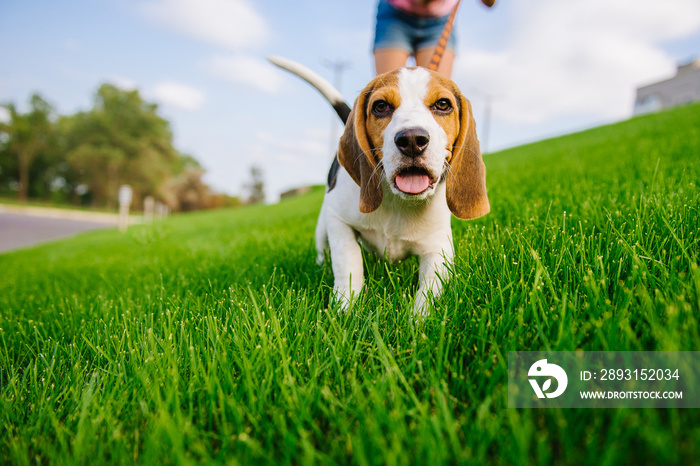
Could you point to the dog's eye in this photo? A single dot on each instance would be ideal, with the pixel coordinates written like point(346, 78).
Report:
point(443, 105)
point(381, 108)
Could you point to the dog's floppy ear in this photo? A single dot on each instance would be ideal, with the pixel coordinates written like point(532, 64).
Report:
point(466, 179)
point(356, 155)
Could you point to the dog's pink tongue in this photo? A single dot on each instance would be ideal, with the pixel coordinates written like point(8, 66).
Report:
point(413, 183)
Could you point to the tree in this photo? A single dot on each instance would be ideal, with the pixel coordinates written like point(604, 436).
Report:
point(256, 187)
point(121, 140)
point(8, 163)
point(27, 134)
point(86, 156)
point(187, 191)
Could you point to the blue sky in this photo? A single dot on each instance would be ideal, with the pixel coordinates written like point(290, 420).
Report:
point(548, 66)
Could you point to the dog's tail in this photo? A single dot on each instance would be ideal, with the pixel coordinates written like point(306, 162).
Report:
point(331, 94)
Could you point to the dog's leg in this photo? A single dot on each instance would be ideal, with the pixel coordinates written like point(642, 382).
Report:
point(434, 267)
point(321, 237)
point(346, 257)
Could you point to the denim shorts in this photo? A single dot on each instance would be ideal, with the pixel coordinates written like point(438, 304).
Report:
point(397, 29)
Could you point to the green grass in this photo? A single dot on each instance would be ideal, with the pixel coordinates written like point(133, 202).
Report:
point(208, 338)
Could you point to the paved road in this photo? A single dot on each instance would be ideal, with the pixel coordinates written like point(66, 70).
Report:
point(18, 230)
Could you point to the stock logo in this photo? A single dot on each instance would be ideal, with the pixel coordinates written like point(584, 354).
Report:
point(542, 369)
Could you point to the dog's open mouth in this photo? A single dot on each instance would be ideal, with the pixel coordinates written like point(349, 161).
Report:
point(413, 180)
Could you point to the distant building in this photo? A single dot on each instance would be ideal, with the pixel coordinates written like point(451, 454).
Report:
point(295, 192)
point(681, 89)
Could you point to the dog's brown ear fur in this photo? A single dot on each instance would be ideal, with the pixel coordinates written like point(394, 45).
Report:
point(466, 179)
point(355, 154)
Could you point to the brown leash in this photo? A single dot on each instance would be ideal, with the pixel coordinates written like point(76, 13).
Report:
point(444, 37)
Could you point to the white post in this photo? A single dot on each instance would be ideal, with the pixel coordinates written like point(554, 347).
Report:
point(148, 204)
point(159, 210)
point(125, 194)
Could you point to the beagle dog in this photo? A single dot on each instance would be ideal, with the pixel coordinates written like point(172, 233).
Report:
point(408, 156)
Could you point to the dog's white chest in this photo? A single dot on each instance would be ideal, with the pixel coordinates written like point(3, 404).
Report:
point(396, 233)
point(393, 247)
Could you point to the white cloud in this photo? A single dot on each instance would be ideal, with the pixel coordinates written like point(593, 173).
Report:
point(251, 71)
point(310, 145)
point(232, 24)
point(125, 84)
point(579, 57)
point(178, 95)
point(229, 23)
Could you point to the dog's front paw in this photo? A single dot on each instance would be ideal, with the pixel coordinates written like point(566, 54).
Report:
point(423, 305)
point(343, 296)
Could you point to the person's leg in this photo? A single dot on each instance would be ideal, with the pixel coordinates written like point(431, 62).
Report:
point(424, 56)
point(389, 59)
point(392, 38)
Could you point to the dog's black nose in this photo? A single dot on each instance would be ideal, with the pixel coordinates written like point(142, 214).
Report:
point(412, 141)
